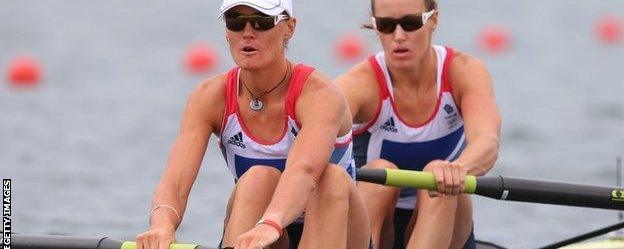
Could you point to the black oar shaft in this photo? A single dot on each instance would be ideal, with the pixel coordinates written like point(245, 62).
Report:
point(22, 241)
point(372, 176)
point(19, 241)
point(548, 192)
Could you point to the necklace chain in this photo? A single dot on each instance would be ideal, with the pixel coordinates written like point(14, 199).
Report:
point(256, 104)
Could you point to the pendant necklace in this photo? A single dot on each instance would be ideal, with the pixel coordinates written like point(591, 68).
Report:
point(256, 104)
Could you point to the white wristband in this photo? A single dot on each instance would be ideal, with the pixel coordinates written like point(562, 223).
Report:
point(167, 206)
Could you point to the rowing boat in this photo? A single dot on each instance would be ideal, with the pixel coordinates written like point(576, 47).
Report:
point(609, 243)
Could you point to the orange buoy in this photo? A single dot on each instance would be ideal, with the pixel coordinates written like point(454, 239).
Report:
point(609, 29)
point(350, 47)
point(199, 58)
point(494, 39)
point(24, 71)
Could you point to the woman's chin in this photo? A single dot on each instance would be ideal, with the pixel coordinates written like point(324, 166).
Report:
point(401, 63)
point(248, 64)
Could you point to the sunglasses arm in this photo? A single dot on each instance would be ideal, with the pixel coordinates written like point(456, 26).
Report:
point(427, 15)
point(374, 22)
point(279, 18)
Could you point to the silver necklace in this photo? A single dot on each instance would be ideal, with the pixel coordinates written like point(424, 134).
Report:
point(256, 104)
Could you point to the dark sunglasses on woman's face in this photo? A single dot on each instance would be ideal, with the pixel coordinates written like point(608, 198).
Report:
point(413, 22)
point(237, 22)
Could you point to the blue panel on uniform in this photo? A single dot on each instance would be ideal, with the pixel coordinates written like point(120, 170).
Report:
point(242, 164)
point(351, 172)
point(414, 156)
point(337, 154)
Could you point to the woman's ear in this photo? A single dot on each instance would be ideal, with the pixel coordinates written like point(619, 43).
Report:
point(291, 24)
point(434, 20)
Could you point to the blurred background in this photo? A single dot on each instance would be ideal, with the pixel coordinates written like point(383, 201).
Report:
point(92, 94)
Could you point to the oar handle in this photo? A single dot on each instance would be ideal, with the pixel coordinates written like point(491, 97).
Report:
point(507, 188)
point(132, 245)
point(408, 179)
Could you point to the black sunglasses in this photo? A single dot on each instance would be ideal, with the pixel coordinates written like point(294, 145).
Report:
point(412, 22)
point(236, 22)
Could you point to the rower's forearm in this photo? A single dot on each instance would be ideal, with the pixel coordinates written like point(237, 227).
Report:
point(169, 200)
point(173, 190)
point(479, 155)
point(160, 218)
point(290, 196)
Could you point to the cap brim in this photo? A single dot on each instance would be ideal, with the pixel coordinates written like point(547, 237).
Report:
point(271, 11)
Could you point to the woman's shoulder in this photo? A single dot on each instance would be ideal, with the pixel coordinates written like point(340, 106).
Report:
point(469, 73)
point(212, 88)
point(207, 100)
point(318, 81)
point(360, 85)
point(317, 85)
point(320, 96)
point(464, 62)
point(359, 74)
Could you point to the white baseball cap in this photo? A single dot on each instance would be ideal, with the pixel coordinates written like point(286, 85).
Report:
point(268, 7)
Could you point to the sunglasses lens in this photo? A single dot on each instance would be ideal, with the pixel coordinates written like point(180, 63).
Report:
point(408, 23)
point(235, 24)
point(385, 25)
point(411, 23)
point(258, 23)
point(264, 24)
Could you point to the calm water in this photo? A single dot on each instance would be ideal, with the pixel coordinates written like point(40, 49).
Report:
point(86, 149)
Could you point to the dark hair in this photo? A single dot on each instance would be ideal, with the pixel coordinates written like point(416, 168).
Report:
point(430, 4)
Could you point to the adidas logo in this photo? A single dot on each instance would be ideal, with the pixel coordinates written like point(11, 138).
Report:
point(389, 125)
point(449, 109)
point(237, 140)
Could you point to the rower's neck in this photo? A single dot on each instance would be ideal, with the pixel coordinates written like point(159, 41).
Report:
point(422, 74)
point(264, 79)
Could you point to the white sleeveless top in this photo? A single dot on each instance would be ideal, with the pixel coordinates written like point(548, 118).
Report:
point(388, 137)
point(242, 150)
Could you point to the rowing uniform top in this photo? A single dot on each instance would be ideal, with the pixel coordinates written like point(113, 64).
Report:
point(388, 137)
point(242, 150)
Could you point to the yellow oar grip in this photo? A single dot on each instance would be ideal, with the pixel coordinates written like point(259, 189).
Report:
point(421, 180)
point(132, 245)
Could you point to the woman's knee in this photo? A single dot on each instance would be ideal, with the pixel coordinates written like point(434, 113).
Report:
point(257, 174)
point(377, 190)
point(440, 204)
point(464, 207)
point(257, 184)
point(335, 183)
point(380, 164)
